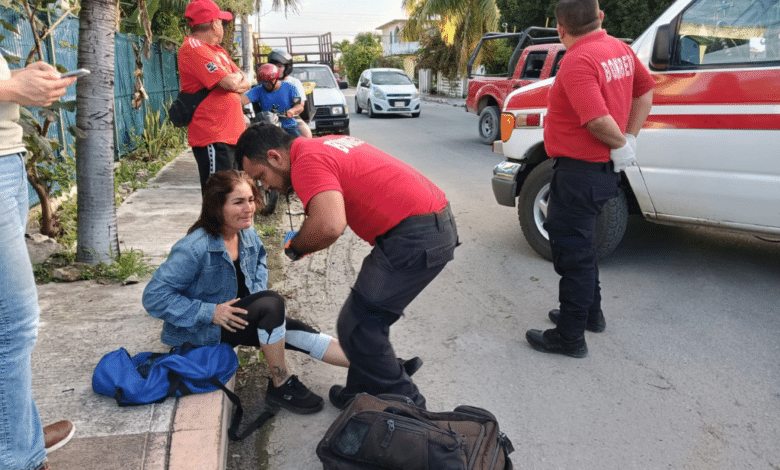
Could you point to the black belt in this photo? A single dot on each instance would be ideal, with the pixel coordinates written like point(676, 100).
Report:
point(438, 218)
point(575, 164)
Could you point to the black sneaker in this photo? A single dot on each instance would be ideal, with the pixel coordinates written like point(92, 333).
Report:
point(550, 341)
point(294, 396)
point(596, 322)
point(338, 398)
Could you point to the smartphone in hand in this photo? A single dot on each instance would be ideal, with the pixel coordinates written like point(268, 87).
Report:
point(75, 73)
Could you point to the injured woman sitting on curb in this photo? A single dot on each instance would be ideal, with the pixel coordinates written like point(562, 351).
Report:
point(212, 289)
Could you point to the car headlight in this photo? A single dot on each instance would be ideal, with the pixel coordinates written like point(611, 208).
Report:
point(415, 95)
point(378, 94)
point(337, 110)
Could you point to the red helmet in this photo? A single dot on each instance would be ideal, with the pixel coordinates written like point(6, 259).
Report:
point(268, 73)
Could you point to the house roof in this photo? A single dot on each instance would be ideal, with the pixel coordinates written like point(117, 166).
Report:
point(391, 24)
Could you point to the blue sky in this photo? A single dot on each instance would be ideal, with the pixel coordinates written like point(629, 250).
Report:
point(342, 18)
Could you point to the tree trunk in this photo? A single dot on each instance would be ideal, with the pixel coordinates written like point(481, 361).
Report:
point(98, 240)
point(49, 226)
point(228, 27)
point(246, 42)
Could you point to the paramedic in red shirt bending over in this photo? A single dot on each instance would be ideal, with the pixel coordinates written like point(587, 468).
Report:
point(601, 97)
point(344, 181)
point(219, 119)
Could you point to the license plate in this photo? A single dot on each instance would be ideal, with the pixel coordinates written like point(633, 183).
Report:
point(398, 104)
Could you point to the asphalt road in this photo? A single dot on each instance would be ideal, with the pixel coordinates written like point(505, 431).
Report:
point(686, 376)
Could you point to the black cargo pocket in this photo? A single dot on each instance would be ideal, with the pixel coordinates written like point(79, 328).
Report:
point(438, 256)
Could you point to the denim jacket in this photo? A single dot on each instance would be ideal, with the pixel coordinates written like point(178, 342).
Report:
point(198, 275)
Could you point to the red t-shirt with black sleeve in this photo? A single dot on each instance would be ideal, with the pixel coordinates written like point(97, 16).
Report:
point(599, 76)
point(379, 190)
point(220, 117)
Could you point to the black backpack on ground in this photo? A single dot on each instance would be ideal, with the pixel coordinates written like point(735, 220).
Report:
point(388, 432)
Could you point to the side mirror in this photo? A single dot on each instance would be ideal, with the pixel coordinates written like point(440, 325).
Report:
point(343, 85)
point(659, 58)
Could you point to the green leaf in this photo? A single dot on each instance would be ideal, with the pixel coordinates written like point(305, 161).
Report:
point(8, 26)
point(50, 114)
point(12, 59)
point(26, 114)
point(77, 132)
point(66, 105)
point(43, 144)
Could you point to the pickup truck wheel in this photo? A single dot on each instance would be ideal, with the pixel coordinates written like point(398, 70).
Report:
point(489, 124)
point(532, 212)
point(358, 109)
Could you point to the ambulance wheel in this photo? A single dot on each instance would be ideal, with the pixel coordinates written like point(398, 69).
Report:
point(532, 213)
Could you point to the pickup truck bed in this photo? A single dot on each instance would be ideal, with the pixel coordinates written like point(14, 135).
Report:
point(529, 63)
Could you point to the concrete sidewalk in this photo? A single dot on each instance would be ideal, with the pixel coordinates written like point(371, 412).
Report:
point(82, 321)
point(441, 99)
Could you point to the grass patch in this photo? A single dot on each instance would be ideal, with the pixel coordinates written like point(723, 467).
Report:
point(128, 264)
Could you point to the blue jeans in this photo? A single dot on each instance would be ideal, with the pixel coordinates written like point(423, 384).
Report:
point(293, 131)
point(21, 434)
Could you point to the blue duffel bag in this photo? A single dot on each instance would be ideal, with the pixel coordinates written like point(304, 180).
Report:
point(152, 377)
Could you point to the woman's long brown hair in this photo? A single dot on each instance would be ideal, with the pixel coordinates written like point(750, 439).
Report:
point(218, 186)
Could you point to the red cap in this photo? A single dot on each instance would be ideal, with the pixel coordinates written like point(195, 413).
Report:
point(204, 11)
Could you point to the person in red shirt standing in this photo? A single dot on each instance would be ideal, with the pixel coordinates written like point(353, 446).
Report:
point(203, 63)
point(601, 97)
point(344, 181)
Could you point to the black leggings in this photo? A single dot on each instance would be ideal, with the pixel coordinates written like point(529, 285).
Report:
point(265, 312)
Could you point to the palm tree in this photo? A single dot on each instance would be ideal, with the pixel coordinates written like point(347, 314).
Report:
point(471, 19)
point(98, 240)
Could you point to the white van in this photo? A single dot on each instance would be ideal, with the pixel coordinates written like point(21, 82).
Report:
point(709, 153)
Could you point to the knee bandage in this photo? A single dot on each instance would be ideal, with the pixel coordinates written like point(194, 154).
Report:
point(314, 343)
point(276, 335)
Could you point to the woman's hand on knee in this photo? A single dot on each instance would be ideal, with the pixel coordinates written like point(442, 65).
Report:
point(226, 316)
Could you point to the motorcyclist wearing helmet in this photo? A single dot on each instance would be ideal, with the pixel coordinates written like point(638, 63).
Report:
point(275, 95)
point(283, 60)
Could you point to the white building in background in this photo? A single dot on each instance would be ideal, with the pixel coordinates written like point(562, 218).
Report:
point(394, 44)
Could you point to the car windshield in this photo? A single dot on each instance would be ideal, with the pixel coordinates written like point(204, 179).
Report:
point(321, 76)
point(390, 78)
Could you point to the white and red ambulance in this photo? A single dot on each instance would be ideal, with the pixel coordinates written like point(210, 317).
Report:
point(709, 153)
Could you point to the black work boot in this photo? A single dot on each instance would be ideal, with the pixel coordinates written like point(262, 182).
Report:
point(596, 322)
point(550, 341)
point(339, 397)
point(411, 365)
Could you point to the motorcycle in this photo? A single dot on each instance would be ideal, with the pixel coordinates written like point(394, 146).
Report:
point(254, 115)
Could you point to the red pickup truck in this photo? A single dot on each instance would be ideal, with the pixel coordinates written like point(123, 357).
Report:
point(536, 57)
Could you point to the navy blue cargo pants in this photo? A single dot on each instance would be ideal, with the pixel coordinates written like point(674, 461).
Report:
point(578, 191)
point(402, 263)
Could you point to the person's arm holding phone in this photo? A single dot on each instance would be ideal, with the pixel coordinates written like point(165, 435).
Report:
point(38, 84)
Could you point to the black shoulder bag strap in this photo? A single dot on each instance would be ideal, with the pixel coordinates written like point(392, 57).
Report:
point(233, 433)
